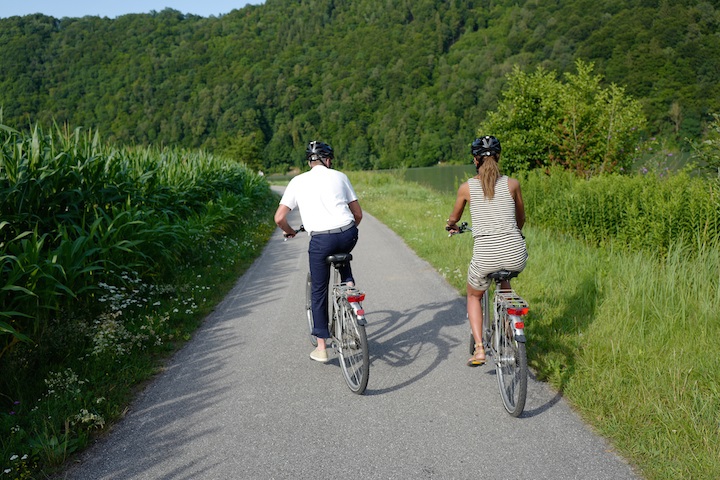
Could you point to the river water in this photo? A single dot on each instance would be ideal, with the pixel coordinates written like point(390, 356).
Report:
point(444, 178)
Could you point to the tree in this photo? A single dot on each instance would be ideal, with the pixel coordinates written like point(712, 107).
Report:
point(526, 119)
point(578, 123)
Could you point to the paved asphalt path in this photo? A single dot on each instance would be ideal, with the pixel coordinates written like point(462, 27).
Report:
point(243, 400)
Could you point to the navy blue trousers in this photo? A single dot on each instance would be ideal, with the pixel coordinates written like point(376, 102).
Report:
point(320, 247)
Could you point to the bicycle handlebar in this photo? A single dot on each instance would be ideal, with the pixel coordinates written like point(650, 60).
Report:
point(301, 228)
point(462, 228)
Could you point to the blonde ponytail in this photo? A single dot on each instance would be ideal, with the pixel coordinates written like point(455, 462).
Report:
point(489, 172)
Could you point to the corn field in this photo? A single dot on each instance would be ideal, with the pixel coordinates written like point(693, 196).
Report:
point(75, 213)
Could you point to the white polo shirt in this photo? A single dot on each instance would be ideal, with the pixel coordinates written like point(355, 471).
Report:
point(322, 194)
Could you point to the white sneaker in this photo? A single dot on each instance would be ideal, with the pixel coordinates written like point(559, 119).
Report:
point(319, 355)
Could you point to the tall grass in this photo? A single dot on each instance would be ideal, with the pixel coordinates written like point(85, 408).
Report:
point(109, 258)
point(642, 212)
point(628, 336)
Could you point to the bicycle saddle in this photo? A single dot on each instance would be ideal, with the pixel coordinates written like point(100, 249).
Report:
point(339, 258)
point(503, 275)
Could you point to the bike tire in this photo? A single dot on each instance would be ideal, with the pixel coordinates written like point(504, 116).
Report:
point(512, 369)
point(308, 309)
point(353, 349)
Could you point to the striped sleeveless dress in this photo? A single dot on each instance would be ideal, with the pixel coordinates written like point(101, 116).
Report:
point(498, 243)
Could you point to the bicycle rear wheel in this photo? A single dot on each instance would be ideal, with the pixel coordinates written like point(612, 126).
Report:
point(308, 309)
point(353, 349)
point(511, 368)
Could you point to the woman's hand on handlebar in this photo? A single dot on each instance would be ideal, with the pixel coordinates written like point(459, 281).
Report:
point(456, 229)
point(452, 229)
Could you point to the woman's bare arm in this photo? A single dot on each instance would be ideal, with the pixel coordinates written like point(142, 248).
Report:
point(514, 187)
point(463, 197)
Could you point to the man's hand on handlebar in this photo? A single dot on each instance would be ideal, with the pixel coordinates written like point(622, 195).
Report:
point(292, 235)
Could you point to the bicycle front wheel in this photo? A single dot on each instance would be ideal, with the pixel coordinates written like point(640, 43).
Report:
point(308, 309)
point(511, 368)
point(353, 349)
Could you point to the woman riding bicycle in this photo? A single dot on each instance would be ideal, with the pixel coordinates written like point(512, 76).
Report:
point(498, 214)
point(330, 212)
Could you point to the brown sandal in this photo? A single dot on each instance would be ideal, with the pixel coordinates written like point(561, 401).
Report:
point(476, 360)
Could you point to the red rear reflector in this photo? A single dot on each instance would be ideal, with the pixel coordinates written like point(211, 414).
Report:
point(356, 298)
point(360, 313)
point(519, 325)
point(518, 311)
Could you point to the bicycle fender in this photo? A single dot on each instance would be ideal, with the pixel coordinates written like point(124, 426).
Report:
point(359, 313)
point(518, 327)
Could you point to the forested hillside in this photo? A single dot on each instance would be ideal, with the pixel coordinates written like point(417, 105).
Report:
point(388, 83)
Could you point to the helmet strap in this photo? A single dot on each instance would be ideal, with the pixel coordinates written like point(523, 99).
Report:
point(323, 161)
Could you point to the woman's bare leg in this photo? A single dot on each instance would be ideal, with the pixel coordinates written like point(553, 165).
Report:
point(475, 316)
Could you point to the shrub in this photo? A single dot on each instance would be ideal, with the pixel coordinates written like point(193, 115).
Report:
point(579, 124)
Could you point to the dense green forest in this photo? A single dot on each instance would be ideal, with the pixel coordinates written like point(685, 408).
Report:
point(388, 83)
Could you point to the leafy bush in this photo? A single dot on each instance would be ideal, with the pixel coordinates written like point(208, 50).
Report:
point(578, 124)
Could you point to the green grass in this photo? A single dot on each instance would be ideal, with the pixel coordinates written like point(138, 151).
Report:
point(629, 337)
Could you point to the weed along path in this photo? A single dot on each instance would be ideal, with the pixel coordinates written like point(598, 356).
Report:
point(243, 400)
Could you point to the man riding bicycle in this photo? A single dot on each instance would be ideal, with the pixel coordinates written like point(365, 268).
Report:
point(330, 213)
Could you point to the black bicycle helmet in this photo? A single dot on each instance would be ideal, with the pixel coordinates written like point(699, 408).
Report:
point(485, 146)
point(318, 151)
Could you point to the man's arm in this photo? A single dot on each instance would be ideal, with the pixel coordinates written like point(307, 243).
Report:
point(281, 220)
point(356, 211)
